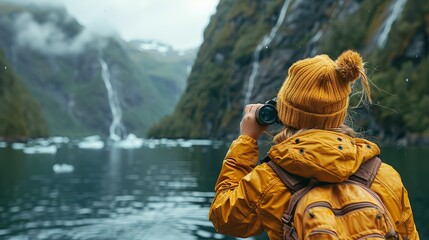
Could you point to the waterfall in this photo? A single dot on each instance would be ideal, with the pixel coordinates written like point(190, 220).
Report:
point(117, 129)
point(264, 43)
point(395, 10)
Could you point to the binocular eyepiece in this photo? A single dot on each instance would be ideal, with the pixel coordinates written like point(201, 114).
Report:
point(267, 114)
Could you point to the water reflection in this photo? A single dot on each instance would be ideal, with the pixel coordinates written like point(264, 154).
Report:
point(160, 192)
point(111, 194)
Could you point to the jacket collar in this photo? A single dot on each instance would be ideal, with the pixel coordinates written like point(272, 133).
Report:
point(324, 155)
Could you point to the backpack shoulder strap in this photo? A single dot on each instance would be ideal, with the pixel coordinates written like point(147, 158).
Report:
point(293, 182)
point(367, 171)
point(299, 186)
point(364, 175)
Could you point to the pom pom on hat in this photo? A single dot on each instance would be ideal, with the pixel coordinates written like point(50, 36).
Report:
point(349, 65)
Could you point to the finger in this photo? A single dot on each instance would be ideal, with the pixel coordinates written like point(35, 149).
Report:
point(254, 107)
point(248, 108)
point(251, 108)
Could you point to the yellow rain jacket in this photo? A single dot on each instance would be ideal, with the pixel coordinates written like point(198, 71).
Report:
point(252, 198)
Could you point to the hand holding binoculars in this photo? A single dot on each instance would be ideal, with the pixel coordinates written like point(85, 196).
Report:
point(267, 113)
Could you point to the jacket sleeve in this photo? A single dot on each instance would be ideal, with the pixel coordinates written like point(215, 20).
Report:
point(389, 186)
point(233, 210)
point(407, 227)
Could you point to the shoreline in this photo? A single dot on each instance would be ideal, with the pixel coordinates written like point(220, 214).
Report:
point(410, 140)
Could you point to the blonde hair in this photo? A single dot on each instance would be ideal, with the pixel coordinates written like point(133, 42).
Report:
point(288, 132)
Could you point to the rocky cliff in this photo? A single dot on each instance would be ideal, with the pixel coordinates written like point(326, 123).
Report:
point(249, 45)
point(20, 114)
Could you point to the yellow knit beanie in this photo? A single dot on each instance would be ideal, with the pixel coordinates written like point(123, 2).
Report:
point(315, 93)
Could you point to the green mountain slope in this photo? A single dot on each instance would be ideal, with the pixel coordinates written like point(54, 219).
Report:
point(399, 69)
point(20, 115)
point(212, 104)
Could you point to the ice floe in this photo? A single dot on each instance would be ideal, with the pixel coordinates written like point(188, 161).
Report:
point(91, 142)
point(62, 168)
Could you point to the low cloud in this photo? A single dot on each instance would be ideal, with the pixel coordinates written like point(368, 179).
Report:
point(48, 37)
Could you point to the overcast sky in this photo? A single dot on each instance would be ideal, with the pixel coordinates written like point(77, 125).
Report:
point(179, 23)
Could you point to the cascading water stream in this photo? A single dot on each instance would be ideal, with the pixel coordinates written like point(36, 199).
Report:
point(264, 43)
point(395, 10)
point(117, 129)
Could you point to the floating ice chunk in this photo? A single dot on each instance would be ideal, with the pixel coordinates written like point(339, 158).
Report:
point(52, 149)
point(59, 140)
point(130, 142)
point(151, 143)
point(40, 142)
point(91, 145)
point(62, 168)
point(91, 142)
point(18, 146)
point(92, 138)
point(184, 143)
point(201, 142)
point(171, 143)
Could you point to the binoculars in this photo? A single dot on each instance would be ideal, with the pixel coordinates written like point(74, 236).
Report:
point(267, 114)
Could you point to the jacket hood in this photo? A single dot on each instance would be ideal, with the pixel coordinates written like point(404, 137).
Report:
point(324, 155)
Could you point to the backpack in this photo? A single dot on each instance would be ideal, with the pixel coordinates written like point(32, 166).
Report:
point(346, 210)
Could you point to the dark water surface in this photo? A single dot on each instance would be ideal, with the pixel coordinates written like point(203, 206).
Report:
point(144, 193)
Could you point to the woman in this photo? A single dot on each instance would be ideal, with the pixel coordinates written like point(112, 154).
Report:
point(315, 143)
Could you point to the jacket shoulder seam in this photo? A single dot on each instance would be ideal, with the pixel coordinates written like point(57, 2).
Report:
point(271, 184)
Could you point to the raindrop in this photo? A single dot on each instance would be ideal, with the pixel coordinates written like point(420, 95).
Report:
point(406, 79)
point(266, 47)
point(5, 67)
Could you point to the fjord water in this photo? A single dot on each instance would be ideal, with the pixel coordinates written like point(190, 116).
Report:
point(152, 192)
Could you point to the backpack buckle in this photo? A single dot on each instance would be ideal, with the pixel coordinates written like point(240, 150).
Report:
point(289, 232)
point(286, 219)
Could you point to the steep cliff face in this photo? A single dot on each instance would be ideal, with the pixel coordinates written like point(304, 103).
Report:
point(61, 63)
point(248, 47)
point(20, 114)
